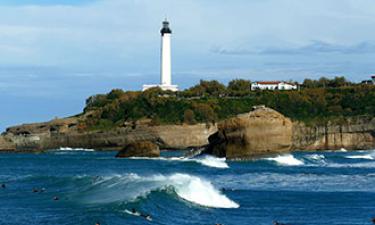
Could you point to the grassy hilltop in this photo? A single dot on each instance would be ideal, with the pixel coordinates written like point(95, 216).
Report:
point(210, 101)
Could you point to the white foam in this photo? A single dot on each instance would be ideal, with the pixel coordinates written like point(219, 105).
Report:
point(213, 162)
point(343, 150)
point(75, 149)
point(129, 187)
point(286, 160)
point(316, 157)
point(207, 160)
point(199, 191)
point(368, 156)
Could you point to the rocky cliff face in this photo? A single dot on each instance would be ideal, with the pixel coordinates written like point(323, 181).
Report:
point(353, 134)
point(265, 131)
point(259, 132)
point(64, 133)
point(262, 131)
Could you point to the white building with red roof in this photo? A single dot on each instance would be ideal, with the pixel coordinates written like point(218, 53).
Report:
point(273, 85)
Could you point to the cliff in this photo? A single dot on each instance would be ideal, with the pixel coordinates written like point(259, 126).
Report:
point(350, 133)
point(259, 132)
point(66, 133)
point(264, 131)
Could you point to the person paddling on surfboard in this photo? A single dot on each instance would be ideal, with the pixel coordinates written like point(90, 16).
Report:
point(134, 212)
point(147, 217)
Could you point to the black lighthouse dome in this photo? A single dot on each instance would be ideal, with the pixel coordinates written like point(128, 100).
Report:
point(165, 29)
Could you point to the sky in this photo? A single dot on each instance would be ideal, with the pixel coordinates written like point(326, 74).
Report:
point(56, 53)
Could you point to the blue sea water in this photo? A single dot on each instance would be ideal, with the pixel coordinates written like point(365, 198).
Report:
point(299, 188)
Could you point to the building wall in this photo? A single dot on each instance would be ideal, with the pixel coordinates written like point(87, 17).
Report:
point(279, 86)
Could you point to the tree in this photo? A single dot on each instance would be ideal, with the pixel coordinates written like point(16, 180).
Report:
point(209, 88)
point(323, 82)
point(338, 82)
point(189, 117)
point(115, 94)
point(205, 112)
point(239, 85)
point(309, 83)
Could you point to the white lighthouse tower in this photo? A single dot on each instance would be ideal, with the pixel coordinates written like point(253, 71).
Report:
point(165, 61)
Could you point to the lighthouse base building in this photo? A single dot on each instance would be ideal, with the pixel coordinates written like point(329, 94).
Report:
point(163, 87)
point(165, 62)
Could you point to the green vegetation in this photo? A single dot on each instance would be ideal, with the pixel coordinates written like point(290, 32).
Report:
point(211, 101)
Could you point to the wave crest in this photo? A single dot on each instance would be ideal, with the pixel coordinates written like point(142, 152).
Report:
point(75, 149)
point(130, 187)
point(286, 160)
point(207, 160)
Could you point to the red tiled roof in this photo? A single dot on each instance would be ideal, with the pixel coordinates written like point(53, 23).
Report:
point(273, 82)
point(268, 82)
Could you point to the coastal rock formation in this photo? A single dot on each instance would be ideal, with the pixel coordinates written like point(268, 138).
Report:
point(265, 131)
point(6, 144)
point(139, 149)
point(262, 131)
point(183, 136)
point(259, 132)
point(350, 133)
point(66, 133)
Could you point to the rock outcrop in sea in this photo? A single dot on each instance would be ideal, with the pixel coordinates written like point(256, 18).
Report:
point(139, 149)
point(262, 131)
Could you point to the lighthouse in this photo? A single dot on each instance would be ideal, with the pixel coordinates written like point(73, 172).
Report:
point(165, 61)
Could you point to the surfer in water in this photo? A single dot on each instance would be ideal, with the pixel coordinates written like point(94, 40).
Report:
point(147, 217)
point(3, 186)
point(277, 223)
point(134, 212)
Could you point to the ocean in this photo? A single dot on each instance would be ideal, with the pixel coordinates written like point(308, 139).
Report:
point(81, 186)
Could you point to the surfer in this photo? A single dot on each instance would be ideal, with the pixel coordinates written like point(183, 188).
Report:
point(134, 212)
point(3, 186)
point(373, 220)
point(277, 223)
point(147, 217)
point(55, 198)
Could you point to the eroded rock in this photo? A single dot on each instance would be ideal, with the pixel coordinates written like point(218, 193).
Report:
point(139, 149)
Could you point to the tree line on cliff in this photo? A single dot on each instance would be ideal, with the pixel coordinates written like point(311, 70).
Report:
point(211, 101)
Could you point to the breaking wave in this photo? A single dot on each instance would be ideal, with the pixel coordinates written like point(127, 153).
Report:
point(75, 149)
point(286, 160)
point(206, 160)
point(130, 187)
point(368, 156)
point(343, 150)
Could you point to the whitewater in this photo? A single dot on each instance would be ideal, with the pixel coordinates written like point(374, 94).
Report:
point(322, 187)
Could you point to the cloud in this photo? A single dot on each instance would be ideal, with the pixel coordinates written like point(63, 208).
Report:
point(315, 47)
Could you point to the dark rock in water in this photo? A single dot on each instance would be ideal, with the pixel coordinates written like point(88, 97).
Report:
point(260, 132)
point(139, 149)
